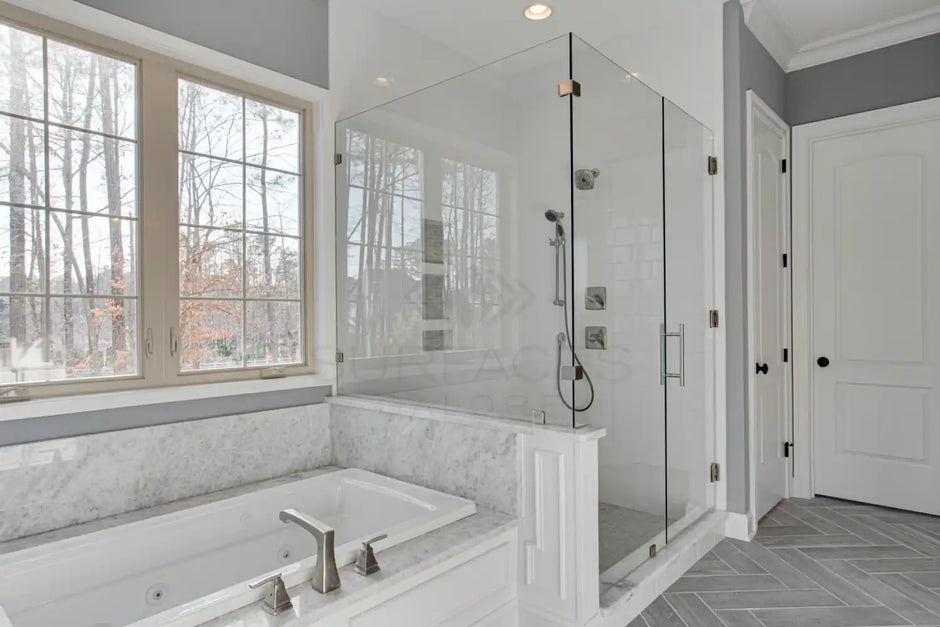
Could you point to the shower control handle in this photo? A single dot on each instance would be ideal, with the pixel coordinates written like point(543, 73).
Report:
point(663, 372)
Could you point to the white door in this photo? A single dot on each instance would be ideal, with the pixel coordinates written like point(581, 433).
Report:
point(769, 294)
point(875, 220)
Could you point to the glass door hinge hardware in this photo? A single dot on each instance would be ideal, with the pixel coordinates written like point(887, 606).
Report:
point(787, 447)
point(713, 319)
point(338, 159)
point(713, 165)
point(340, 358)
point(569, 88)
point(652, 550)
point(714, 473)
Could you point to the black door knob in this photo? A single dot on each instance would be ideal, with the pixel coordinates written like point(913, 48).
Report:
point(823, 362)
point(762, 368)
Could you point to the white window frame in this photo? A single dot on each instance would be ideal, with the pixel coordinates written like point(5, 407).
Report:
point(158, 273)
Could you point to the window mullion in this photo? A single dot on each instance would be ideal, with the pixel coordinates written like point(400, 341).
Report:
point(158, 174)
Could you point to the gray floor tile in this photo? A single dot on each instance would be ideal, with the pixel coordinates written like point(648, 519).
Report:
point(737, 560)
point(693, 611)
point(638, 622)
point(808, 517)
point(829, 617)
point(726, 583)
point(915, 591)
point(853, 526)
point(899, 565)
point(814, 540)
point(883, 593)
point(738, 618)
point(921, 544)
point(928, 580)
point(758, 599)
point(789, 576)
point(661, 614)
point(709, 567)
point(859, 552)
point(786, 530)
point(835, 584)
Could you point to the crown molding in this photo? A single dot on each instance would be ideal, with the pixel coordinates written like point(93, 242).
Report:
point(770, 31)
point(881, 35)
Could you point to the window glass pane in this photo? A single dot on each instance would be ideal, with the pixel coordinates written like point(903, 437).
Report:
point(272, 266)
point(93, 337)
point(210, 121)
point(22, 257)
point(210, 262)
point(22, 164)
point(91, 254)
point(272, 137)
point(92, 173)
point(81, 318)
point(210, 334)
point(273, 201)
point(91, 91)
point(210, 192)
point(21, 82)
point(273, 333)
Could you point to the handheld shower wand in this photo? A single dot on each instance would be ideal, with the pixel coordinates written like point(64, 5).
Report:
point(560, 244)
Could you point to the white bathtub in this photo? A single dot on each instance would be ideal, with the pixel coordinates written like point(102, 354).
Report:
point(190, 566)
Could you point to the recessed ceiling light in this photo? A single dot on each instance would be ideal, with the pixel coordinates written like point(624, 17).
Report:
point(382, 81)
point(538, 11)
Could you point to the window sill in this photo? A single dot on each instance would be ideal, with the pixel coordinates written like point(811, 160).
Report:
point(55, 406)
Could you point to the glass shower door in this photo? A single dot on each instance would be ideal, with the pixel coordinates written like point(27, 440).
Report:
point(619, 302)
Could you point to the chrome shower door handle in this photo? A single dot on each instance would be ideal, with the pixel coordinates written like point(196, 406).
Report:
point(663, 373)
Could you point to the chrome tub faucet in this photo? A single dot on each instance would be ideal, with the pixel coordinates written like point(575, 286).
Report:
point(325, 575)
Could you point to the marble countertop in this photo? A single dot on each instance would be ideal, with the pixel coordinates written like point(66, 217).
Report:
point(398, 564)
point(429, 412)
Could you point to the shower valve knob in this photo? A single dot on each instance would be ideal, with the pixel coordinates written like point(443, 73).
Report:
point(572, 373)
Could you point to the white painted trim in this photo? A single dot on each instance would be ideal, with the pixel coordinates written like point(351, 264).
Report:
point(881, 35)
point(774, 35)
point(739, 527)
point(755, 105)
point(59, 405)
point(804, 138)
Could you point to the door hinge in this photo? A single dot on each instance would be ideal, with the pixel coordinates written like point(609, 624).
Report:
point(713, 319)
point(713, 165)
point(652, 550)
point(786, 355)
point(714, 473)
point(787, 447)
point(786, 260)
point(784, 166)
point(569, 88)
point(340, 358)
point(338, 159)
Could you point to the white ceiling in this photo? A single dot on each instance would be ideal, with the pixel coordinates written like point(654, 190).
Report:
point(802, 33)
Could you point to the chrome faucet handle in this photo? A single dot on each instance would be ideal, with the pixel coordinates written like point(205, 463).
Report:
point(366, 564)
point(276, 601)
point(325, 575)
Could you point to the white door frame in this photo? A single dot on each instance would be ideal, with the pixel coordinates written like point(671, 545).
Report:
point(804, 137)
point(756, 105)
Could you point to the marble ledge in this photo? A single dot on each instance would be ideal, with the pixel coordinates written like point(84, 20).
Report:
point(398, 563)
point(430, 412)
point(110, 522)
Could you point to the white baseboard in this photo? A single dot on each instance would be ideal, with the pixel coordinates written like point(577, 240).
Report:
point(739, 527)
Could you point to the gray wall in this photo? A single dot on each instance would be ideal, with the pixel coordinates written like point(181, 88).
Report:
point(887, 77)
point(288, 36)
point(747, 65)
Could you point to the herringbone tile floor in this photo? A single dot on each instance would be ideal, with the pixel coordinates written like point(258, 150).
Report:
point(814, 563)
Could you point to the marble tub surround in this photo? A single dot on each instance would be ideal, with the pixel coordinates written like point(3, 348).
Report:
point(398, 564)
point(471, 459)
point(59, 483)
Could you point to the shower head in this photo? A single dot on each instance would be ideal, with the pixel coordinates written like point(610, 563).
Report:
point(554, 216)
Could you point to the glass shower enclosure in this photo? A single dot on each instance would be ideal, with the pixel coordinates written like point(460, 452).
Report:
point(531, 240)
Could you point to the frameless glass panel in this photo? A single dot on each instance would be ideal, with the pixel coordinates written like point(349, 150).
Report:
point(619, 300)
point(688, 219)
point(446, 276)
